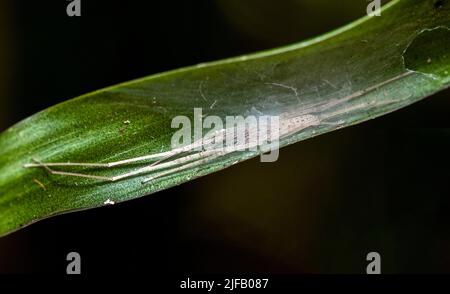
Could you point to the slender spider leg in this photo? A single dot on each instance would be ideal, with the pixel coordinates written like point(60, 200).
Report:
point(177, 164)
point(183, 167)
point(159, 157)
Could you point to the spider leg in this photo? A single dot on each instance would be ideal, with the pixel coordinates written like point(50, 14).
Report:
point(156, 166)
point(159, 157)
point(159, 164)
point(169, 164)
point(79, 175)
point(93, 177)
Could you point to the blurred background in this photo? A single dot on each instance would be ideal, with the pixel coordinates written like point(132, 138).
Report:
point(381, 186)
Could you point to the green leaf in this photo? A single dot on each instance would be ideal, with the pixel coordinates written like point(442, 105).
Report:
point(369, 68)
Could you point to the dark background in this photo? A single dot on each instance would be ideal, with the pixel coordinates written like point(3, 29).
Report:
point(381, 186)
